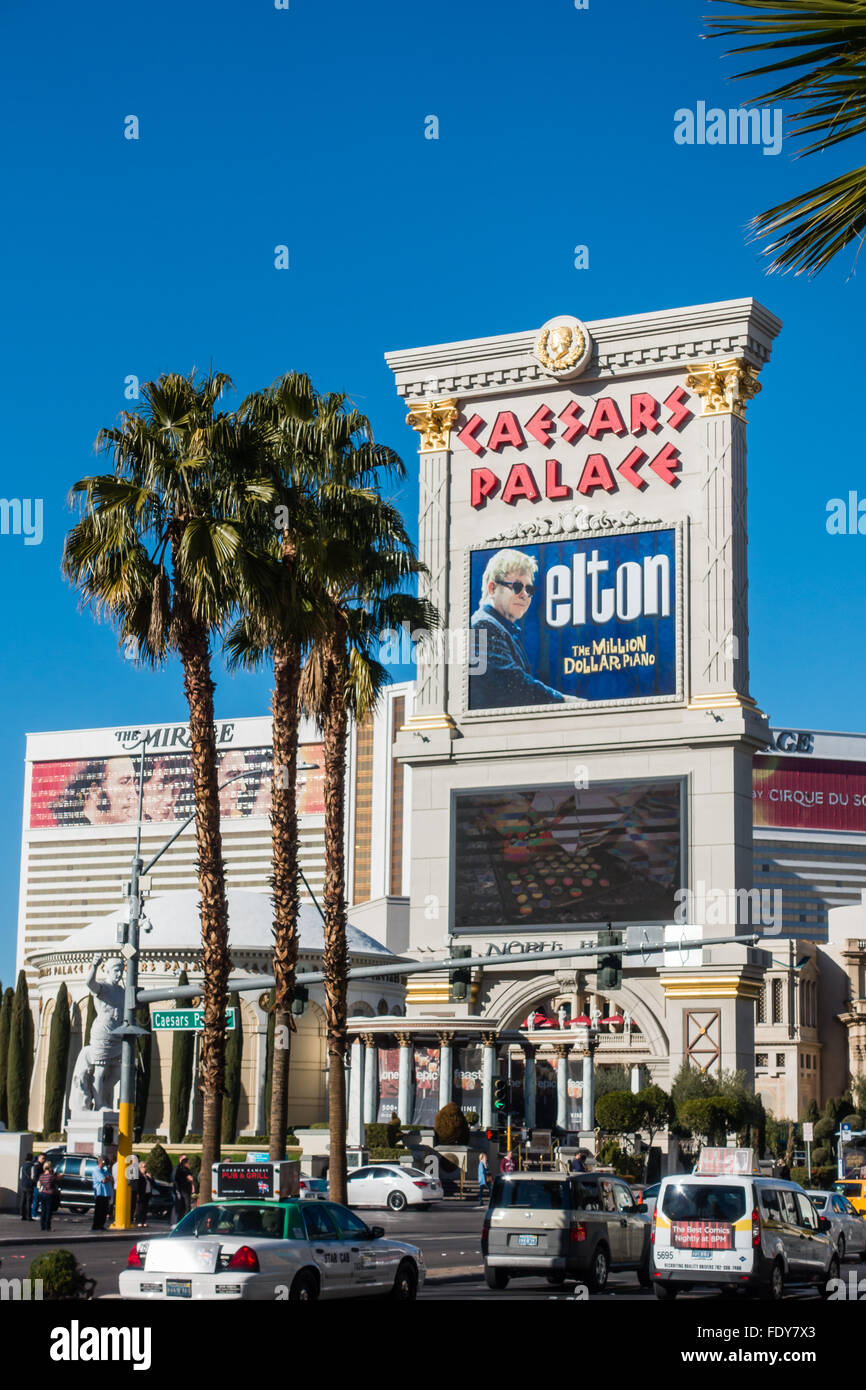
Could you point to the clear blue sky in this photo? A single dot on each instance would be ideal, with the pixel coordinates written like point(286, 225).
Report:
point(306, 127)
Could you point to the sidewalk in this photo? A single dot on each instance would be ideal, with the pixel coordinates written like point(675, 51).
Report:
point(66, 1227)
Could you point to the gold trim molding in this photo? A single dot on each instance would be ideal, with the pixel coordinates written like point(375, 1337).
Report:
point(725, 699)
point(418, 722)
point(724, 387)
point(433, 421)
point(710, 987)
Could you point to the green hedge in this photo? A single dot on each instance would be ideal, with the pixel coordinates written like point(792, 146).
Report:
point(821, 1177)
point(383, 1154)
point(62, 1276)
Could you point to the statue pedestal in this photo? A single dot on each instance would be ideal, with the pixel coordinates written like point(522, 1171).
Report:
point(85, 1132)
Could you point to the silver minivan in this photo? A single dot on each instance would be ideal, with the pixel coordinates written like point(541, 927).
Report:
point(739, 1230)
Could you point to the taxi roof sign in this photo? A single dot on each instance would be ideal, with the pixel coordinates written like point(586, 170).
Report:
point(712, 1162)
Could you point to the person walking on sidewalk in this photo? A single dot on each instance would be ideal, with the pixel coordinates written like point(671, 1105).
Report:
point(143, 1190)
point(25, 1188)
point(183, 1185)
point(103, 1188)
point(48, 1193)
point(482, 1178)
point(38, 1163)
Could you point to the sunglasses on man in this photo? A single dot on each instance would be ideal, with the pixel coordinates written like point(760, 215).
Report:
point(517, 585)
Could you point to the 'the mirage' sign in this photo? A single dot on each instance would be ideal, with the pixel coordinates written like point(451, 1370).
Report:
point(589, 619)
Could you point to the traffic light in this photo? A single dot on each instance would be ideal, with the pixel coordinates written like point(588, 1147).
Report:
point(500, 1093)
point(299, 1003)
point(460, 979)
point(609, 964)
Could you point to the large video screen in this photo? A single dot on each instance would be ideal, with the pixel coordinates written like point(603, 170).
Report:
point(104, 791)
point(558, 856)
point(592, 619)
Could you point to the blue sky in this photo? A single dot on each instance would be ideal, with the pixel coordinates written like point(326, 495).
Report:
point(305, 127)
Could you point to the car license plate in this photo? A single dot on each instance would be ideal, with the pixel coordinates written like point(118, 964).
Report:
point(178, 1288)
point(527, 1240)
point(702, 1254)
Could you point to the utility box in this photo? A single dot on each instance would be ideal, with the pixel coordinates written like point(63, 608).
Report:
point(271, 1181)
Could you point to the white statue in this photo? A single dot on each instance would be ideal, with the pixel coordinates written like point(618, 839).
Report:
point(97, 1070)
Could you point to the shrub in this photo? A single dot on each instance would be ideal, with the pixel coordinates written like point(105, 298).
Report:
point(61, 1275)
point(471, 1117)
point(320, 1124)
point(822, 1176)
point(382, 1153)
point(376, 1136)
point(822, 1154)
point(855, 1121)
point(392, 1130)
point(58, 1056)
point(450, 1125)
point(159, 1163)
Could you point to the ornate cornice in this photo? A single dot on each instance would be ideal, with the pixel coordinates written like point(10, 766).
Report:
point(724, 386)
point(433, 421)
point(576, 521)
point(670, 339)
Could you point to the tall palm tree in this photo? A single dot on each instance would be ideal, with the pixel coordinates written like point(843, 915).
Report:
point(365, 561)
point(826, 38)
point(162, 552)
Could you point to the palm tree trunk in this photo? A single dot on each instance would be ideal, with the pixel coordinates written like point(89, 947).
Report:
point(334, 728)
point(216, 962)
point(284, 832)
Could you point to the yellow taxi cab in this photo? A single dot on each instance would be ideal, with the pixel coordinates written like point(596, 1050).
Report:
point(855, 1190)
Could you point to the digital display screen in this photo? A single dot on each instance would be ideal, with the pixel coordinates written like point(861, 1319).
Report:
point(555, 856)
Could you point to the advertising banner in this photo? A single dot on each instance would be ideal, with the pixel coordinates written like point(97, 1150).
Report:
point(426, 1086)
point(466, 1090)
point(575, 1093)
point(592, 619)
point(104, 791)
point(796, 795)
point(389, 1077)
point(552, 856)
point(545, 1094)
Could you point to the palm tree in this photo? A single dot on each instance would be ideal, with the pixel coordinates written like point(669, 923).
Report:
point(827, 38)
point(365, 557)
point(162, 552)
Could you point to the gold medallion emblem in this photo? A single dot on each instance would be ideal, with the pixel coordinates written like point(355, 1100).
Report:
point(563, 346)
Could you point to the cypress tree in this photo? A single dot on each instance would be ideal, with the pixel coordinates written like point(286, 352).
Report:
point(182, 1047)
point(20, 1067)
point(234, 1055)
point(269, 1051)
point(58, 1059)
point(89, 1020)
point(5, 1031)
point(143, 1049)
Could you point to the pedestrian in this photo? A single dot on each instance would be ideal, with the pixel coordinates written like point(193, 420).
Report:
point(103, 1188)
point(507, 1164)
point(25, 1188)
point(577, 1164)
point(482, 1177)
point(144, 1188)
point(47, 1188)
point(183, 1186)
point(38, 1163)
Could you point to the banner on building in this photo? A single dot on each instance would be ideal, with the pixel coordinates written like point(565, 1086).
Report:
point(593, 619)
point(426, 1104)
point(467, 1078)
point(104, 791)
point(791, 794)
point(574, 1118)
point(389, 1083)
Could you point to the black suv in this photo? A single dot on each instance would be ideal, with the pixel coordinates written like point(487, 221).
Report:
point(75, 1185)
point(575, 1227)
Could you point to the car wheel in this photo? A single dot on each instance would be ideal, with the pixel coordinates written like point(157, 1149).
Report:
point(406, 1283)
point(832, 1274)
point(496, 1278)
point(644, 1277)
point(557, 1279)
point(304, 1289)
point(397, 1201)
point(774, 1290)
point(841, 1248)
point(599, 1269)
point(666, 1292)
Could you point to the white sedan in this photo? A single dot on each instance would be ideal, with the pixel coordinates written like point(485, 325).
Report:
point(293, 1251)
point(847, 1225)
point(389, 1185)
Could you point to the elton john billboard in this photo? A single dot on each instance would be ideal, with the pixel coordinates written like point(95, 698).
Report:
point(588, 620)
point(559, 856)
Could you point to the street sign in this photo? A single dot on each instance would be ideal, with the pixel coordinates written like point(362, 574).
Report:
point(846, 1131)
point(808, 1132)
point(184, 1020)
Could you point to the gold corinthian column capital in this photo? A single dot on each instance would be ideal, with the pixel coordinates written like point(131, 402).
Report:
point(724, 386)
point(433, 421)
